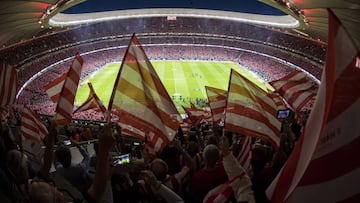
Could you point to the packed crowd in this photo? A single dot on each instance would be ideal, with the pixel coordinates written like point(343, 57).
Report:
point(163, 46)
point(198, 48)
point(187, 170)
point(267, 67)
point(160, 26)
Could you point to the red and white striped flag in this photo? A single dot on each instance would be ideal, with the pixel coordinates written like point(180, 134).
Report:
point(31, 126)
point(54, 88)
point(324, 167)
point(128, 125)
point(296, 89)
point(207, 115)
point(8, 85)
point(149, 146)
point(185, 125)
point(92, 102)
point(140, 99)
point(250, 111)
point(279, 101)
point(194, 114)
point(217, 102)
point(221, 193)
point(63, 90)
point(244, 156)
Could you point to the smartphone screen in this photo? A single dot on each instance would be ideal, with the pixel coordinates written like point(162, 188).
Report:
point(283, 113)
point(122, 159)
point(67, 142)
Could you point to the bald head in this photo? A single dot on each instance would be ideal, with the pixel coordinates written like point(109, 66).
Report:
point(211, 155)
point(159, 168)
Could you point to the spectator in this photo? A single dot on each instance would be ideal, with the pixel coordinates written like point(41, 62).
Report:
point(100, 189)
point(243, 189)
point(159, 189)
point(77, 174)
point(207, 178)
point(42, 192)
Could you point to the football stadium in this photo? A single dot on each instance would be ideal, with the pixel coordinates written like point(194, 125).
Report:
point(179, 101)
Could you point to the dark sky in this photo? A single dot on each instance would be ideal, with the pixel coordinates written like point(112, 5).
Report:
point(247, 6)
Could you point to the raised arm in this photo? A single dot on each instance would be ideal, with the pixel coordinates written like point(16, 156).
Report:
point(187, 158)
point(106, 142)
point(160, 189)
point(243, 189)
point(49, 154)
point(86, 158)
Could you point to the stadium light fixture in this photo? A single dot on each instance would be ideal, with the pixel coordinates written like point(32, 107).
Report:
point(285, 21)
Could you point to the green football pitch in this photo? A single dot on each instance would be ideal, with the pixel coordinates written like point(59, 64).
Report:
point(184, 80)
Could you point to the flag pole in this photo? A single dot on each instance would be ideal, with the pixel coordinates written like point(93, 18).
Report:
point(108, 114)
point(118, 75)
point(227, 101)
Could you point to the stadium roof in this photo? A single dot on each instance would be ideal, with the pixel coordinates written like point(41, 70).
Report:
point(25, 19)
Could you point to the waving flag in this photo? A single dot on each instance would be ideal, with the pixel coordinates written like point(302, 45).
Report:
point(185, 125)
point(221, 193)
point(324, 166)
point(250, 111)
point(53, 88)
point(244, 156)
point(92, 102)
point(279, 101)
point(194, 114)
point(63, 90)
point(129, 125)
point(149, 146)
point(8, 85)
point(217, 102)
point(141, 100)
point(207, 115)
point(296, 89)
point(31, 126)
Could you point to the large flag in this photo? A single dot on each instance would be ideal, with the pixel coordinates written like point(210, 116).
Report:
point(141, 101)
point(92, 102)
point(63, 90)
point(217, 102)
point(324, 166)
point(8, 85)
point(250, 111)
point(31, 126)
point(279, 101)
point(296, 89)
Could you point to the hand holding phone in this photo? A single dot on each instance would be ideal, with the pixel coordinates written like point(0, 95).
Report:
point(285, 113)
point(67, 142)
point(122, 159)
